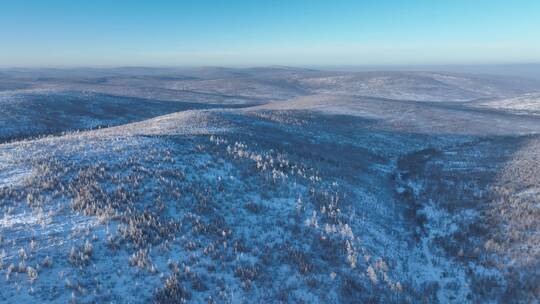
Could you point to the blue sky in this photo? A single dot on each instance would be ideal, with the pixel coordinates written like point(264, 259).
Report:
point(51, 33)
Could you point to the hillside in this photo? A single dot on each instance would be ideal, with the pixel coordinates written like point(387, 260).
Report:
point(287, 185)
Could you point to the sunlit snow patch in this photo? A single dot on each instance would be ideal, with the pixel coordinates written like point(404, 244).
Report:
point(12, 177)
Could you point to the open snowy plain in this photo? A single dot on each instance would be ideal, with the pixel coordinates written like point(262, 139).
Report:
point(268, 185)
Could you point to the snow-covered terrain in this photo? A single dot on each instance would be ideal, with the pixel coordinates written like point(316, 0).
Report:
point(43, 112)
point(267, 185)
point(527, 104)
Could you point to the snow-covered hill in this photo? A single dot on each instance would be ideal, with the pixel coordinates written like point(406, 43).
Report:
point(527, 104)
point(325, 187)
point(419, 86)
point(32, 113)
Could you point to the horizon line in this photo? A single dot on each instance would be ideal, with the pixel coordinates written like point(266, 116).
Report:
point(283, 66)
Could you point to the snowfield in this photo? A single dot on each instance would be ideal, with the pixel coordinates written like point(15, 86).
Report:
point(527, 104)
point(268, 185)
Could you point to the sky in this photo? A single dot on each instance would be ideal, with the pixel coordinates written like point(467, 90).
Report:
point(103, 33)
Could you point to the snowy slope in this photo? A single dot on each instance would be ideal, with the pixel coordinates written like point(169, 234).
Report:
point(419, 86)
point(409, 116)
point(528, 104)
point(43, 112)
point(319, 198)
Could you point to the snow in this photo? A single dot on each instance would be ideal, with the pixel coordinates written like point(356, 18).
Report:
point(346, 187)
point(527, 104)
